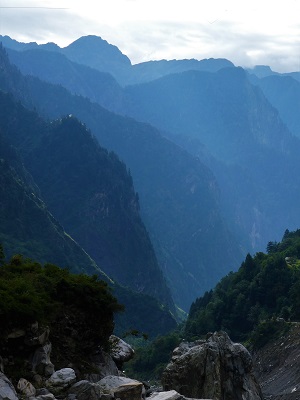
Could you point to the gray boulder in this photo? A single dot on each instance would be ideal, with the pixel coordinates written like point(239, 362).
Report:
point(85, 390)
point(120, 351)
point(122, 388)
point(7, 391)
point(215, 368)
point(61, 380)
point(169, 395)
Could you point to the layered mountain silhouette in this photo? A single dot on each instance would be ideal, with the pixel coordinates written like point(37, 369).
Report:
point(79, 181)
point(178, 194)
point(213, 148)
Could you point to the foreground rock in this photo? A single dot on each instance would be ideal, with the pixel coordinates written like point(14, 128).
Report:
point(215, 368)
point(7, 391)
point(122, 388)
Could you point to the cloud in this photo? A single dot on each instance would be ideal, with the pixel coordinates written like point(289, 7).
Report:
point(247, 34)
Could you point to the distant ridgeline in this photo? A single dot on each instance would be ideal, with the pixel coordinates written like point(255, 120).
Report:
point(265, 286)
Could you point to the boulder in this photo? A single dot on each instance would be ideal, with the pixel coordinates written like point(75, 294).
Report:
point(85, 390)
point(26, 388)
point(215, 368)
point(169, 395)
point(120, 351)
point(7, 391)
point(122, 387)
point(129, 391)
point(61, 379)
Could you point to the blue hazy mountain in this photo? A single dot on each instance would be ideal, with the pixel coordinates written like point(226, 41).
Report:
point(96, 53)
point(179, 196)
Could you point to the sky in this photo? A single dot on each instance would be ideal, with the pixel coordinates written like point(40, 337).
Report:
point(247, 32)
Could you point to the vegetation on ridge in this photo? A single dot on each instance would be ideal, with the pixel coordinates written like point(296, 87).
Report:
point(31, 292)
point(266, 287)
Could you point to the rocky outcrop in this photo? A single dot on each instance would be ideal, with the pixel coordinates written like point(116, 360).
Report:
point(215, 368)
point(29, 350)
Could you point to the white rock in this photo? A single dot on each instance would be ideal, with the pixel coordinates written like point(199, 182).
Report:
point(169, 395)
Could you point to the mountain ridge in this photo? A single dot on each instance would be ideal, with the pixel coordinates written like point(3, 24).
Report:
point(134, 143)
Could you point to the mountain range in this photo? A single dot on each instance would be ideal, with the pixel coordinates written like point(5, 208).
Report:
point(212, 148)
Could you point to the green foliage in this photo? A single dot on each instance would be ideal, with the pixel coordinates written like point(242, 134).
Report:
point(266, 331)
point(265, 286)
point(151, 359)
point(30, 292)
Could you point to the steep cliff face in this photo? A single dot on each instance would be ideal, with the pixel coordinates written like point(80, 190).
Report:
point(277, 365)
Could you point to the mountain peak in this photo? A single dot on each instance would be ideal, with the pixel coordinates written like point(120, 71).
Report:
point(94, 51)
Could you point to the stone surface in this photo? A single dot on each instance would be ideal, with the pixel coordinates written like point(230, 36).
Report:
point(63, 378)
point(110, 384)
point(120, 350)
point(40, 361)
point(26, 388)
point(104, 364)
point(169, 395)
point(215, 368)
point(85, 390)
point(48, 396)
point(129, 391)
point(277, 365)
point(7, 391)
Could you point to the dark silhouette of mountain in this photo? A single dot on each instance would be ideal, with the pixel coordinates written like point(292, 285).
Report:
point(27, 227)
point(178, 195)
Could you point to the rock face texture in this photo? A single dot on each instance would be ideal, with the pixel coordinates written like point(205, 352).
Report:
point(215, 368)
point(7, 391)
point(277, 365)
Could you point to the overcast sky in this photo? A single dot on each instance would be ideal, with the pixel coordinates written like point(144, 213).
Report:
point(246, 32)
